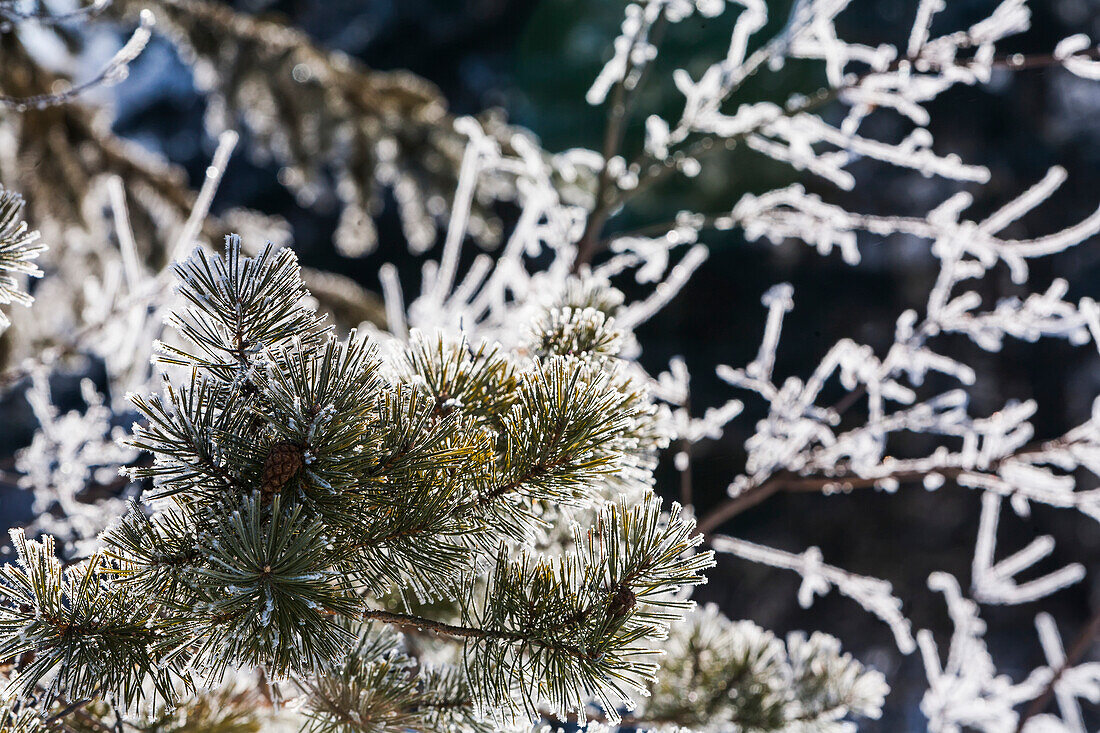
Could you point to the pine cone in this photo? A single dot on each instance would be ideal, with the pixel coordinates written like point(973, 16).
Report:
point(283, 460)
point(622, 602)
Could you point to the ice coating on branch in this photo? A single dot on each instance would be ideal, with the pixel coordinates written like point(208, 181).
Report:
point(964, 689)
point(800, 436)
point(874, 595)
point(993, 581)
point(71, 454)
point(801, 442)
point(1077, 56)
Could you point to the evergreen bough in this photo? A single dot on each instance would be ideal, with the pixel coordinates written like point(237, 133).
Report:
point(309, 491)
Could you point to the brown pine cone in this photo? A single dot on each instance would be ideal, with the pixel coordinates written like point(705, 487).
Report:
point(284, 459)
point(622, 603)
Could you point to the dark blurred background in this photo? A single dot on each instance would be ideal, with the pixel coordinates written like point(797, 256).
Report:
point(536, 58)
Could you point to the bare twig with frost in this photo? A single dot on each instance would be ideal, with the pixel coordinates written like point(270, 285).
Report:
point(874, 595)
point(964, 690)
point(114, 71)
point(1083, 680)
point(800, 446)
point(993, 580)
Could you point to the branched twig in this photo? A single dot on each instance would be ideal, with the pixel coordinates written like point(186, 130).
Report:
point(110, 73)
point(651, 171)
point(617, 117)
point(789, 481)
point(9, 10)
point(1080, 645)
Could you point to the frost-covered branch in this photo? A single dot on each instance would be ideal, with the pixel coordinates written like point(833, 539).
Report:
point(874, 595)
point(112, 72)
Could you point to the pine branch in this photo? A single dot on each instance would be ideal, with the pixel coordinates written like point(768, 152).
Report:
point(19, 718)
point(586, 333)
point(480, 382)
point(569, 426)
point(81, 629)
point(239, 305)
point(183, 429)
point(379, 690)
point(19, 247)
point(153, 553)
point(584, 618)
point(338, 128)
point(267, 592)
point(114, 70)
point(412, 621)
point(64, 150)
point(742, 676)
point(295, 476)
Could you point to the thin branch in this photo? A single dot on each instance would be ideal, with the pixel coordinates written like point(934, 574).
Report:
point(438, 627)
point(1080, 645)
point(733, 506)
point(112, 72)
point(67, 710)
point(788, 481)
point(706, 221)
point(76, 710)
point(652, 172)
point(470, 632)
point(10, 11)
point(687, 497)
point(618, 115)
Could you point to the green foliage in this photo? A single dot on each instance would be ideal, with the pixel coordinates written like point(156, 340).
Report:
point(268, 593)
point(583, 618)
point(226, 709)
point(74, 624)
point(568, 428)
point(583, 332)
point(19, 247)
point(185, 429)
point(380, 689)
point(239, 305)
point(302, 484)
point(16, 717)
point(480, 382)
point(317, 399)
point(153, 551)
point(733, 675)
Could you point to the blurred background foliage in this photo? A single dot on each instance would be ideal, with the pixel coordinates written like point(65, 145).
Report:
point(534, 59)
